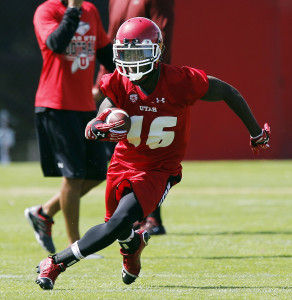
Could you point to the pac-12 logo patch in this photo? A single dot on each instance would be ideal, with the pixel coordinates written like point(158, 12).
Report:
point(134, 98)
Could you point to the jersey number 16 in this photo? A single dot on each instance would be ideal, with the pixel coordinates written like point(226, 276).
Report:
point(157, 137)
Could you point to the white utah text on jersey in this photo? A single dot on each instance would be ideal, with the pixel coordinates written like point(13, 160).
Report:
point(148, 108)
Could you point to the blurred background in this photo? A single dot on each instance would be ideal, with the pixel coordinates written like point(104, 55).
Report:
point(247, 43)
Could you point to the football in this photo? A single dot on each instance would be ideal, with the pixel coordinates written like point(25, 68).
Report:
point(119, 114)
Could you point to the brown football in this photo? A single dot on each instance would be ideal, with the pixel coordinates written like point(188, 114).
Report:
point(119, 114)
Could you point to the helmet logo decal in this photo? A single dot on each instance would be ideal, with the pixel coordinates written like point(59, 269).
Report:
point(162, 100)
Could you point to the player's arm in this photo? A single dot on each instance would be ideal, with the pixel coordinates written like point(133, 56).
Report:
point(60, 38)
point(220, 90)
point(106, 103)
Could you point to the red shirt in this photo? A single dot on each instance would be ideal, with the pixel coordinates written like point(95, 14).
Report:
point(160, 122)
point(66, 79)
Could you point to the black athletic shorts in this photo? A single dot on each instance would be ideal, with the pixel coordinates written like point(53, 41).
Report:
point(64, 150)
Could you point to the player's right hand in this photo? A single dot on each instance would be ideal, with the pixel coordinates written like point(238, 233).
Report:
point(98, 129)
point(261, 141)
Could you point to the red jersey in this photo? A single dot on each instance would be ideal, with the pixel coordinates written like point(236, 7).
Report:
point(66, 79)
point(159, 132)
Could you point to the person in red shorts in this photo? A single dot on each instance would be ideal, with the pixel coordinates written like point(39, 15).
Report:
point(146, 162)
point(162, 13)
point(71, 37)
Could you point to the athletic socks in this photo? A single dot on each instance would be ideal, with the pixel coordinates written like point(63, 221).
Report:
point(69, 256)
point(72, 254)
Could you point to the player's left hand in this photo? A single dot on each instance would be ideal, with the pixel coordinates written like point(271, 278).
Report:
point(97, 129)
point(261, 141)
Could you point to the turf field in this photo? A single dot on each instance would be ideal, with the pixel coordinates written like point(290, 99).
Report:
point(229, 236)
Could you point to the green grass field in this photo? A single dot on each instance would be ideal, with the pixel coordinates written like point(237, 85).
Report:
point(229, 236)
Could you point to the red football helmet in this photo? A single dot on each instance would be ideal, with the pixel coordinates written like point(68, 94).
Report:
point(137, 48)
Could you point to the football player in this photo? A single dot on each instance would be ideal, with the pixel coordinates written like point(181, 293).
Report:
point(147, 160)
point(162, 12)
